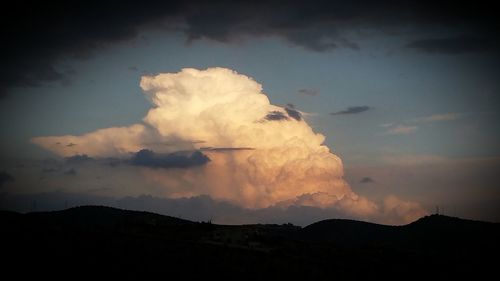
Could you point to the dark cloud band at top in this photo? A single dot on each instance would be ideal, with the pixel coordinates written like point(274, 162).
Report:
point(39, 34)
point(456, 45)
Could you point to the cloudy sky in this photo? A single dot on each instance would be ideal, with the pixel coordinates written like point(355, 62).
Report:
point(250, 111)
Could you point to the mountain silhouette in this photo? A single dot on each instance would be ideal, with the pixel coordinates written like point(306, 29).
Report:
point(100, 241)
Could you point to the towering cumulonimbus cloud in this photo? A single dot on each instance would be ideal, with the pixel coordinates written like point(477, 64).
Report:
point(260, 154)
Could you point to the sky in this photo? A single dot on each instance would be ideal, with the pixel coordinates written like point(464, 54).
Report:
point(252, 111)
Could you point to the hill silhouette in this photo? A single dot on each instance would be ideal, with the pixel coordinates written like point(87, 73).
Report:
point(102, 241)
point(427, 232)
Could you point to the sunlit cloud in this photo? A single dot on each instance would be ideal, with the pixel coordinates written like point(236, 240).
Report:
point(272, 156)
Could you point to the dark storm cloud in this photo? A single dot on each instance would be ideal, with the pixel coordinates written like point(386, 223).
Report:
point(151, 159)
point(113, 162)
point(145, 157)
point(38, 35)
point(367, 180)
point(276, 116)
point(293, 113)
point(5, 178)
point(352, 110)
point(78, 159)
point(225, 149)
point(456, 45)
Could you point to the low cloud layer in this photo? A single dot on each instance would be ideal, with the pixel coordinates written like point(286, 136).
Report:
point(204, 208)
point(182, 159)
point(268, 161)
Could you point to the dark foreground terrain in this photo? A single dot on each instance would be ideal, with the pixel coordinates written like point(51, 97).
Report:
point(97, 242)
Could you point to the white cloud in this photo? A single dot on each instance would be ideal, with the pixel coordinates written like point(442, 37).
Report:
point(287, 165)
